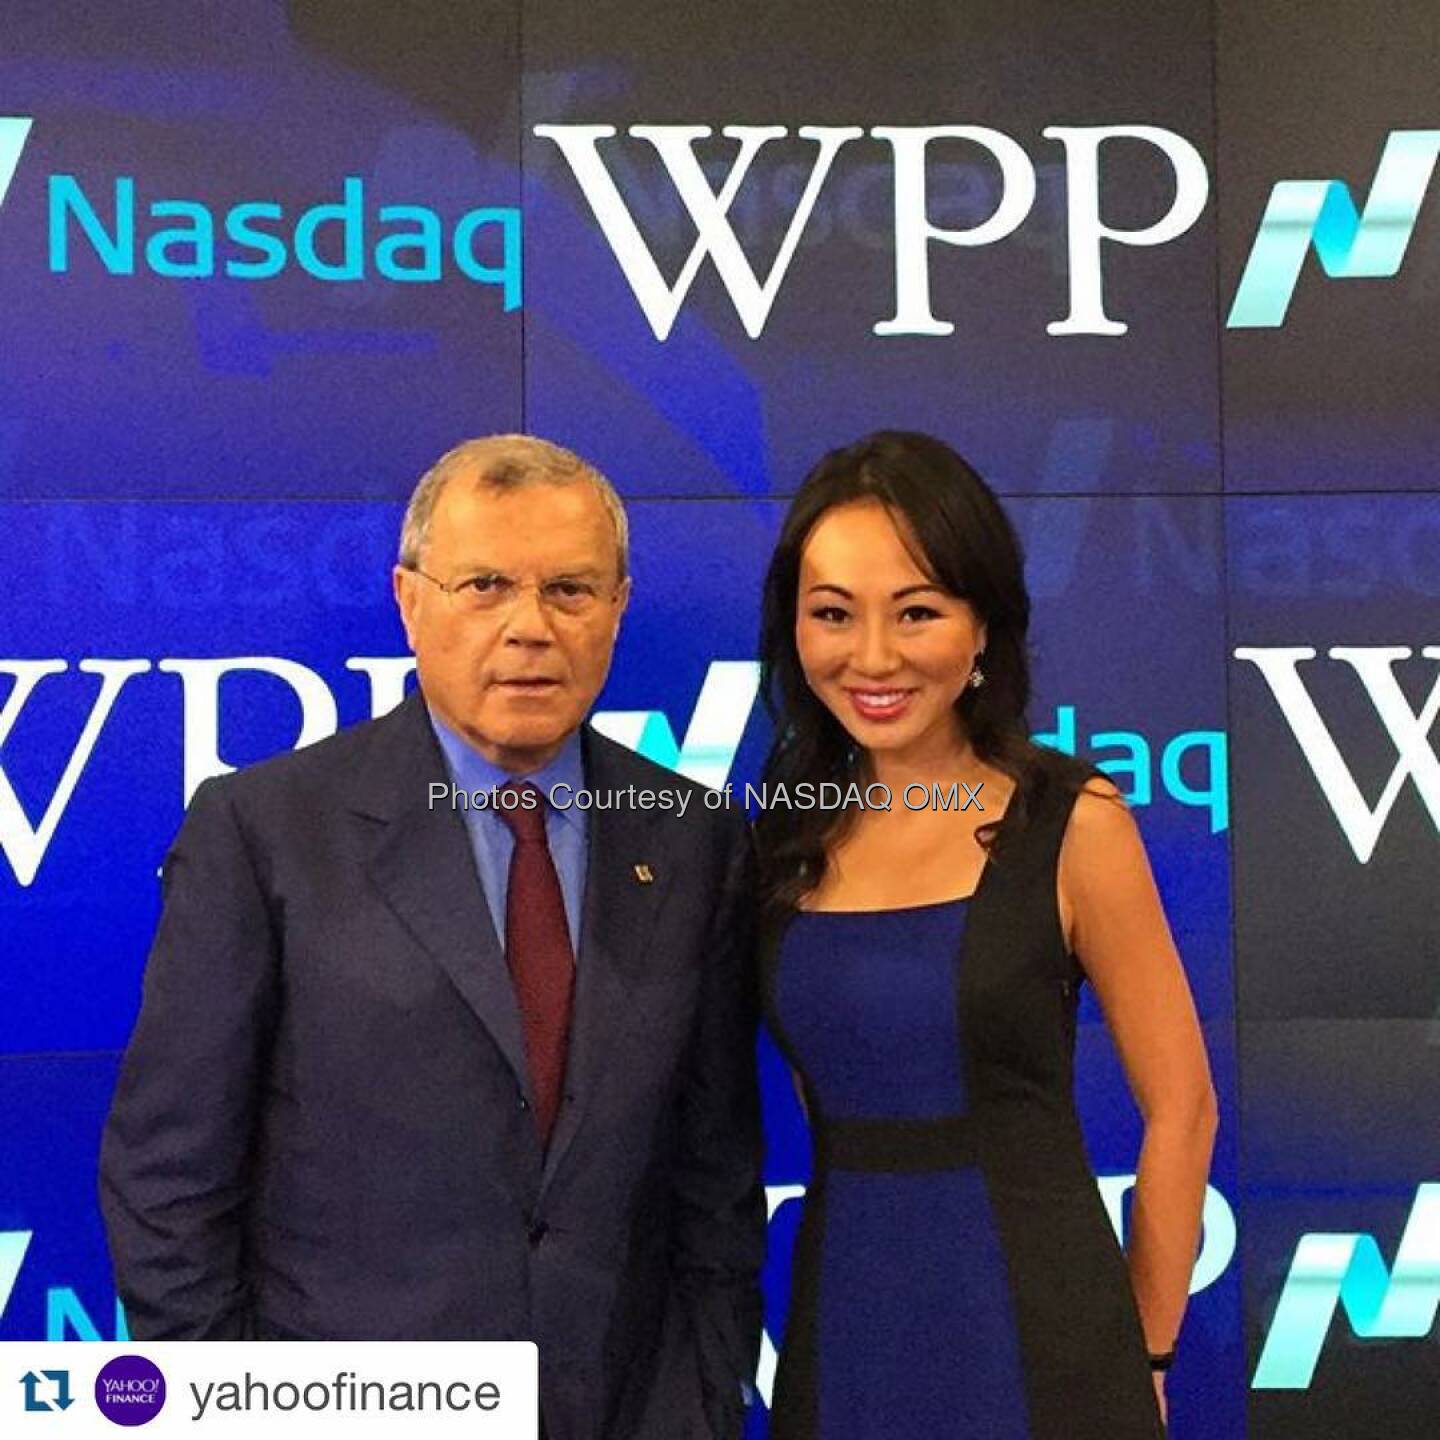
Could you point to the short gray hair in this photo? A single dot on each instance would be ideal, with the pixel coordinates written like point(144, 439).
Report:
point(506, 462)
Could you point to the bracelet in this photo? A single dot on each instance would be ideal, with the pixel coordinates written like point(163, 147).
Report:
point(1161, 1363)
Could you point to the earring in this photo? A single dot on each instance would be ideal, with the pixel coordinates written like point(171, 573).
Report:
point(977, 675)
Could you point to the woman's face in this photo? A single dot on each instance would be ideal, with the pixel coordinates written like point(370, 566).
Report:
point(886, 649)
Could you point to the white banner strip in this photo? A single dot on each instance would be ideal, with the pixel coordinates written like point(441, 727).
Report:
point(303, 1390)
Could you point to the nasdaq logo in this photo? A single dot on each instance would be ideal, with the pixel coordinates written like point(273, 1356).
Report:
point(337, 241)
point(14, 132)
point(1321, 213)
point(66, 1318)
point(13, 1245)
point(712, 739)
point(1408, 729)
point(1332, 1272)
point(1189, 768)
point(333, 240)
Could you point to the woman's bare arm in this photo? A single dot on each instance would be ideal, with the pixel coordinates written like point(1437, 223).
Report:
point(1119, 933)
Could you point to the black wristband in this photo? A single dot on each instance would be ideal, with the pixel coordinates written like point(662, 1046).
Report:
point(1161, 1363)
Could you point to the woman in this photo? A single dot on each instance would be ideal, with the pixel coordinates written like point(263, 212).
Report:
point(956, 1275)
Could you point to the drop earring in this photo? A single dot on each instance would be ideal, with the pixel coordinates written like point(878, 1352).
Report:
point(977, 675)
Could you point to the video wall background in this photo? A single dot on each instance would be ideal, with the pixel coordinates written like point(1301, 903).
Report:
point(201, 480)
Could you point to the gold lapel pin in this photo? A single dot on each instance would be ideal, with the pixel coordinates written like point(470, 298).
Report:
point(644, 874)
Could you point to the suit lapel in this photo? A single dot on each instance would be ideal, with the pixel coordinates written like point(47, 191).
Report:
point(618, 920)
point(421, 863)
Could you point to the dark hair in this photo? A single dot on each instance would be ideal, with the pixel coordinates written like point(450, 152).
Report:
point(970, 548)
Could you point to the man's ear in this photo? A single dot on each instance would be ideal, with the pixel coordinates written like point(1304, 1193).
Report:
point(623, 599)
point(402, 582)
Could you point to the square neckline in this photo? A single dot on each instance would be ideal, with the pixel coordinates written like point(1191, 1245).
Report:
point(899, 909)
point(973, 895)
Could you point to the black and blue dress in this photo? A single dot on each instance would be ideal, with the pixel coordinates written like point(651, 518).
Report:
point(956, 1274)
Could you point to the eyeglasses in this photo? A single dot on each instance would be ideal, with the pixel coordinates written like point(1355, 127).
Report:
point(492, 593)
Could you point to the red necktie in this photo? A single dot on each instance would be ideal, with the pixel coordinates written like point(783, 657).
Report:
point(538, 951)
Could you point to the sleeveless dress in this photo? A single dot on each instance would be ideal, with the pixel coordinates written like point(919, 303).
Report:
point(956, 1276)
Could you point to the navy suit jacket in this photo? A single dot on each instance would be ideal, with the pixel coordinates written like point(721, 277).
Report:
point(322, 1128)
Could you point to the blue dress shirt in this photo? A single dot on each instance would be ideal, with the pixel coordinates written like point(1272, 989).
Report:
point(490, 839)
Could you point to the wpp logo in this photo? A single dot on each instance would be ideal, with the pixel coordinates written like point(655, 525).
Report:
point(1351, 245)
point(1408, 729)
point(915, 234)
point(1334, 1271)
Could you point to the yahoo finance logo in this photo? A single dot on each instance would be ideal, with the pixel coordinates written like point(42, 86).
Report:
point(130, 1390)
point(334, 239)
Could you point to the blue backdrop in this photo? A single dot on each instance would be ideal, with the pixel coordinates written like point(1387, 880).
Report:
point(1232, 530)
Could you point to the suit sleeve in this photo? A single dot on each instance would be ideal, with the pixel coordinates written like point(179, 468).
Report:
point(720, 1201)
point(174, 1160)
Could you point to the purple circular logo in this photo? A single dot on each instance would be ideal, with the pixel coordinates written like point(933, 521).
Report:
point(130, 1390)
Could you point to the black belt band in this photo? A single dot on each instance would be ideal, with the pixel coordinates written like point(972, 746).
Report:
point(916, 1146)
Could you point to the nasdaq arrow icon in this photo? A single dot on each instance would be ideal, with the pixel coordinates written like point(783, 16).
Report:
point(1347, 1272)
point(1351, 244)
point(14, 132)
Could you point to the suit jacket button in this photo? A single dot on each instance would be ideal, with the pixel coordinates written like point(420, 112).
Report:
point(538, 1231)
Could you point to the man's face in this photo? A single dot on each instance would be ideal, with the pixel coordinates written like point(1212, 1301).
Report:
point(515, 664)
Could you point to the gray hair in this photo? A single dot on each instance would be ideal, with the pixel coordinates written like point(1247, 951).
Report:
point(506, 462)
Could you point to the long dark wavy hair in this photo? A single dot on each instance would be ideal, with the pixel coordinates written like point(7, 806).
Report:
point(970, 549)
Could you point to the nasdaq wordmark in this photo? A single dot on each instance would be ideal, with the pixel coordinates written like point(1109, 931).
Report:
point(118, 225)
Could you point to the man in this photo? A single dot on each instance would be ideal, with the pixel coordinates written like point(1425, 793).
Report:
point(406, 1070)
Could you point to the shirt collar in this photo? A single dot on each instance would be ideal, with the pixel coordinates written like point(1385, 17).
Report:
point(470, 770)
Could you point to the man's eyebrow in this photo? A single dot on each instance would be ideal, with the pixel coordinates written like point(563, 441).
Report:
point(574, 572)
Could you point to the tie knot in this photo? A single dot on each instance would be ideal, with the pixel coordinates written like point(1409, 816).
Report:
point(522, 808)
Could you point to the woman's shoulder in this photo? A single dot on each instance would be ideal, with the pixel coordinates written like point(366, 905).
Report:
point(1100, 836)
point(1050, 785)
